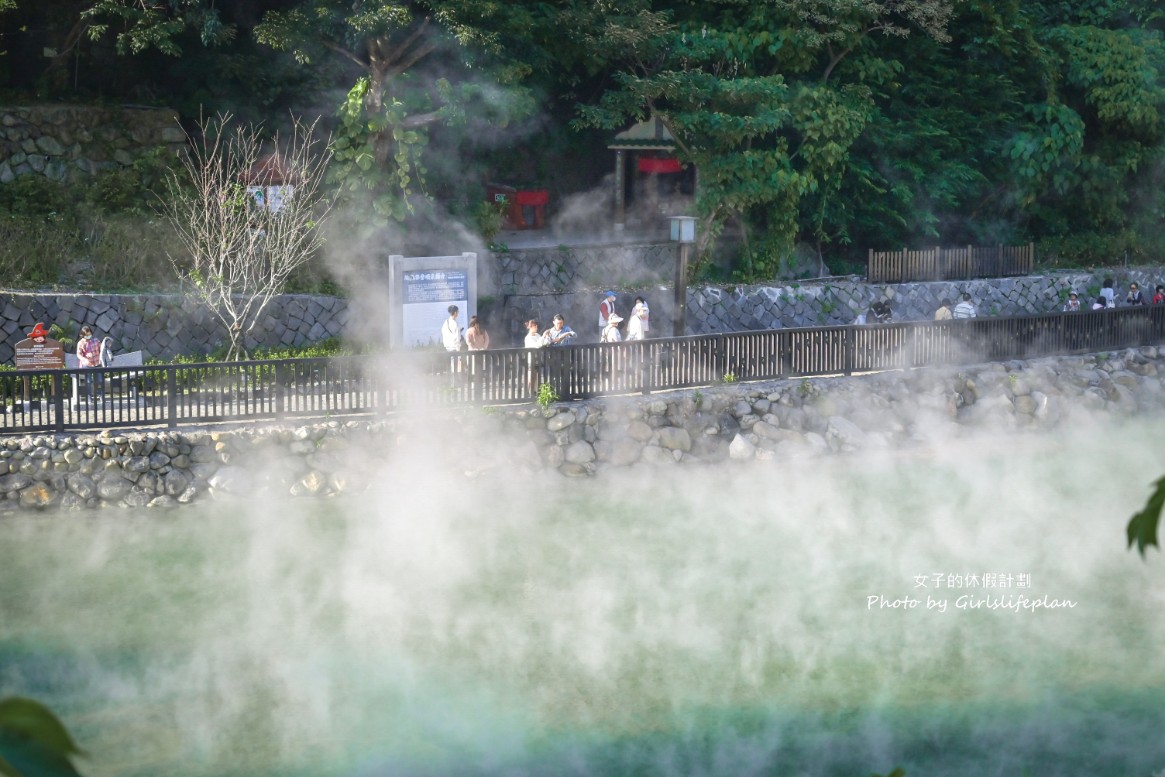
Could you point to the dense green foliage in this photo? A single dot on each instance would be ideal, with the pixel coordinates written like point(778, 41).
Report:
point(101, 234)
point(832, 126)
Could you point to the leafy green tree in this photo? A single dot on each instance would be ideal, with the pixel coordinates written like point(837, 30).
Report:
point(1037, 121)
point(139, 25)
point(407, 66)
point(752, 95)
point(416, 65)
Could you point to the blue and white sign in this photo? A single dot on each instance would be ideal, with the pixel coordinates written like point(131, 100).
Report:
point(427, 297)
point(422, 289)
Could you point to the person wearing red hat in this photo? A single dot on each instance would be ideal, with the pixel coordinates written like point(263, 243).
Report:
point(38, 332)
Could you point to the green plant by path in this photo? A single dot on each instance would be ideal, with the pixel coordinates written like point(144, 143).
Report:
point(547, 396)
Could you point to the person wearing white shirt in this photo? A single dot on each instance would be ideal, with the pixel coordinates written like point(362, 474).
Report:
point(637, 325)
point(965, 308)
point(450, 332)
point(611, 333)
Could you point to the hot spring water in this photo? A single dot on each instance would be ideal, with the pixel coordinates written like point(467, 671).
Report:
point(695, 621)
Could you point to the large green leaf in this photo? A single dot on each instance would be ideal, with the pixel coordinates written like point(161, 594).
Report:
point(33, 741)
point(1142, 529)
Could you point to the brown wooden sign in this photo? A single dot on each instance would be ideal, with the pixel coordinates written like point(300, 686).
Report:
point(40, 354)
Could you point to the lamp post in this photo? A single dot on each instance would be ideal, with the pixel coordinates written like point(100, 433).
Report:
point(683, 231)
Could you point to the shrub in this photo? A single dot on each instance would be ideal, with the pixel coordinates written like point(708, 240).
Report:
point(35, 251)
point(124, 251)
point(35, 195)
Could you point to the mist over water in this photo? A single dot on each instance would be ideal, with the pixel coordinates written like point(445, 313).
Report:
point(712, 621)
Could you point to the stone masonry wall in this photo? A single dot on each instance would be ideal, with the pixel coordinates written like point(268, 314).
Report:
point(712, 309)
point(763, 422)
point(576, 268)
point(62, 142)
point(166, 326)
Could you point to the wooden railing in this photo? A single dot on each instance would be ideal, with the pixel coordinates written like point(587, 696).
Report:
point(950, 264)
point(176, 395)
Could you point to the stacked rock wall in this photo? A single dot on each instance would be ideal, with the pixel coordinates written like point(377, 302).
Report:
point(166, 326)
point(63, 142)
point(831, 302)
point(749, 422)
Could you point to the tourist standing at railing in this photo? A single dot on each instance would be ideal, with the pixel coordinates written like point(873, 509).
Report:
point(1159, 297)
point(476, 338)
point(1134, 297)
point(88, 356)
point(643, 313)
point(451, 338)
point(611, 356)
point(611, 333)
point(1109, 293)
point(1101, 302)
point(965, 308)
point(1073, 303)
point(606, 308)
point(534, 340)
point(944, 310)
point(559, 333)
point(450, 332)
point(637, 323)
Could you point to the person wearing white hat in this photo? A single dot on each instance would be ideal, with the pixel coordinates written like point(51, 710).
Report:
point(637, 324)
point(611, 331)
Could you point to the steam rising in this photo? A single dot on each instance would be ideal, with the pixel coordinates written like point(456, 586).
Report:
point(682, 621)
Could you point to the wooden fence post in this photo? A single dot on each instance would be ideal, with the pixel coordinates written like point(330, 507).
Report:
point(171, 396)
point(58, 384)
point(847, 349)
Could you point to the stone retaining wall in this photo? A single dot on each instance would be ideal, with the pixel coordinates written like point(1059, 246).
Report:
point(715, 309)
point(748, 422)
point(63, 142)
point(580, 267)
point(165, 326)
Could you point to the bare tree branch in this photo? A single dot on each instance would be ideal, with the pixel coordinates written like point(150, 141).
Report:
point(243, 249)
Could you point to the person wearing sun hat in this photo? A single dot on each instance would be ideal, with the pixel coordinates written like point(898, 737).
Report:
point(611, 331)
point(38, 332)
point(1073, 303)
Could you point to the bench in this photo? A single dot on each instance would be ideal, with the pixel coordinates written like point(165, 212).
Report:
point(131, 359)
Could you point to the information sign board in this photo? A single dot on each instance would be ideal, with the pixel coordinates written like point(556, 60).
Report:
point(42, 353)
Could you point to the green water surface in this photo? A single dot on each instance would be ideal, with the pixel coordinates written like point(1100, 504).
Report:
point(680, 621)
